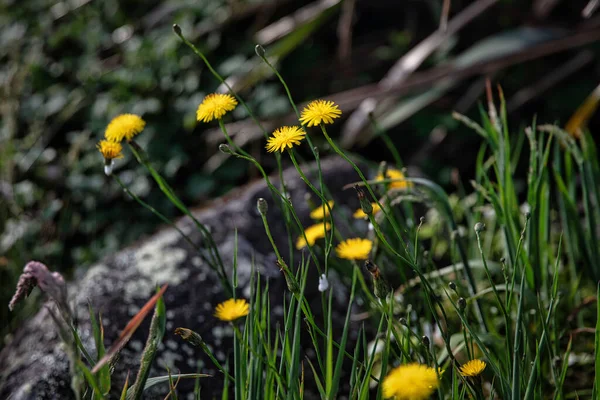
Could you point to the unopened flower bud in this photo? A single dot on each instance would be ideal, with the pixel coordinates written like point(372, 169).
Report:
point(365, 204)
point(452, 286)
point(225, 149)
point(260, 51)
point(403, 321)
point(262, 206)
point(479, 227)
point(177, 29)
point(189, 336)
point(290, 280)
point(425, 341)
point(381, 289)
point(462, 303)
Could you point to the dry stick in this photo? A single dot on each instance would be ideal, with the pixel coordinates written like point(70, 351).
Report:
point(344, 31)
point(352, 98)
point(444, 16)
point(408, 64)
point(590, 8)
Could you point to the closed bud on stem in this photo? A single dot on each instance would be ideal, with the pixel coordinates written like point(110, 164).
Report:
point(403, 321)
point(381, 288)
point(262, 206)
point(462, 304)
point(190, 336)
point(452, 286)
point(260, 51)
point(479, 227)
point(425, 341)
point(223, 148)
point(177, 29)
point(365, 204)
point(290, 280)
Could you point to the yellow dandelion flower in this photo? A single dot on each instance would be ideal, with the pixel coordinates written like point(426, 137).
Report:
point(286, 136)
point(360, 214)
point(110, 150)
point(354, 249)
point(410, 382)
point(232, 309)
point(398, 177)
point(319, 214)
point(214, 106)
point(472, 368)
point(312, 233)
point(124, 126)
point(319, 111)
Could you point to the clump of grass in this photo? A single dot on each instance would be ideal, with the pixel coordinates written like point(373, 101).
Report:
point(491, 324)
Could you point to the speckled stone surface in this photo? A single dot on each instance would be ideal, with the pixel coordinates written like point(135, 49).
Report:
point(34, 365)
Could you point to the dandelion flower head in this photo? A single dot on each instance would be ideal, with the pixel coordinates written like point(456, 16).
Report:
point(110, 150)
point(354, 249)
point(124, 126)
point(232, 309)
point(319, 111)
point(319, 214)
point(399, 180)
point(473, 368)
point(360, 214)
point(285, 137)
point(214, 106)
point(312, 233)
point(410, 382)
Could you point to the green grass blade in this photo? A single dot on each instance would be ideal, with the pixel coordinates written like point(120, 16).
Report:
point(157, 331)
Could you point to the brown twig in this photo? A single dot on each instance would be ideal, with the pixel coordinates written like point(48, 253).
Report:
point(444, 16)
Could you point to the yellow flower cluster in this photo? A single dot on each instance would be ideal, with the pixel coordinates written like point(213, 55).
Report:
point(397, 179)
point(110, 150)
point(319, 214)
point(285, 137)
point(472, 368)
point(354, 249)
point(312, 233)
point(215, 106)
point(232, 309)
point(122, 127)
point(410, 382)
point(315, 113)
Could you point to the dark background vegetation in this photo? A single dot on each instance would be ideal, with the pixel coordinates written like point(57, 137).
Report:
point(68, 67)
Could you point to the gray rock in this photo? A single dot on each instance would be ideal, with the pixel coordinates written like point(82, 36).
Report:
point(34, 364)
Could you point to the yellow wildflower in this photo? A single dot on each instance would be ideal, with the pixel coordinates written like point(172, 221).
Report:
point(360, 214)
point(319, 111)
point(124, 126)
point(398, 176)
point(319, 214)
point(232, 309)
point(410, 382)
point(214, 106)
point(286, 136)
point(472, 368)
point(312, 233)
point(354, 249)
point(110, 150)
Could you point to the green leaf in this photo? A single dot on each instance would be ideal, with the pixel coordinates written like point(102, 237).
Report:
point(157, 330)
